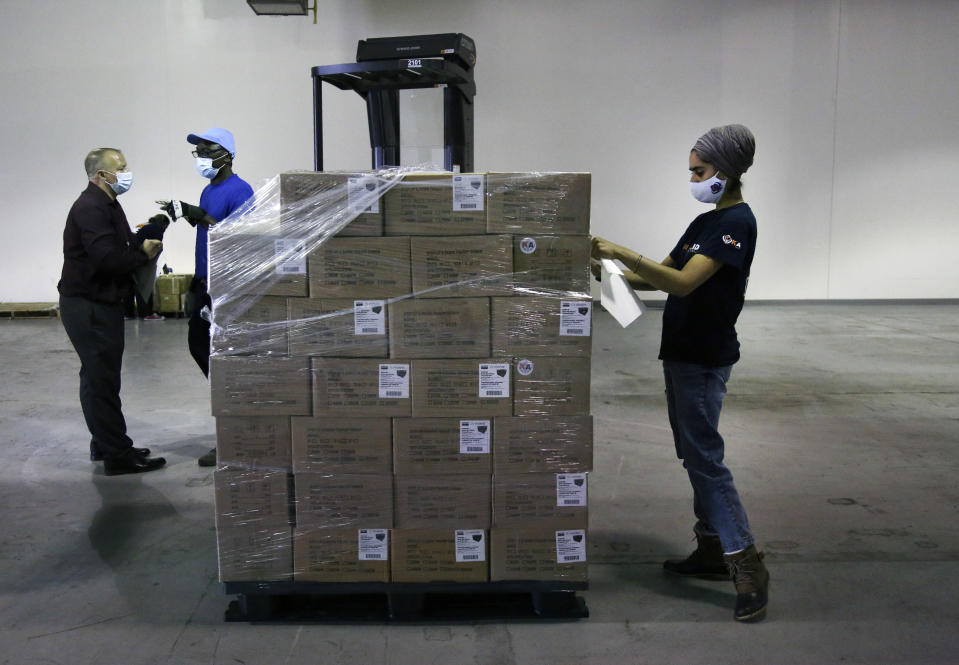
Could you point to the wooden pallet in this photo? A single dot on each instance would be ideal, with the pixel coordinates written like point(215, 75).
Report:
point(28, 310)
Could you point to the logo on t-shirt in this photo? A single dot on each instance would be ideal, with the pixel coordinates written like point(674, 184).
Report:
point(691, 248)
point(729, 240)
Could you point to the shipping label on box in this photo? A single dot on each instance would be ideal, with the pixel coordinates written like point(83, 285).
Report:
point(341, 555)
point(542, 553)
point(430, 555)
point(360, 268)
point(258, 327)
point(436, 204)
point(340, 327)
point(462, 266)
point(537, 497)
point(342, 445)
point(325, 501)
point(440, 328)
point(260, 264)
point(260, 386)
point(360, 387)
point(312, 202)
point(461, 388)
point(255, 553)
point(538, 203)
point(441, 446)
point(429, 501)
point(254, 442)
point(244, 497)
point(541, 326)
point(539, 444)
point(554, 265)
point(556, 386)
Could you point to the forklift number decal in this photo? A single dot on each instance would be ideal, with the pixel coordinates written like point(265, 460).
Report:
point(414, 63)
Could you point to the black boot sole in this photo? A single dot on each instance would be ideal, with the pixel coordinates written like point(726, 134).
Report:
point(710, 577)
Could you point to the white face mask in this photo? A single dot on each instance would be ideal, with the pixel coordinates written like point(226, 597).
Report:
point(204, 166)
point(708, 191)
point(124, 182)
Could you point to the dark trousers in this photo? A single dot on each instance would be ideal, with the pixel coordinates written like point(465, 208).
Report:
point(198, 335)
point(96, 332)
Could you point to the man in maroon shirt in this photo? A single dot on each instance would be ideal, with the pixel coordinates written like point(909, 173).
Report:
point(100, 254)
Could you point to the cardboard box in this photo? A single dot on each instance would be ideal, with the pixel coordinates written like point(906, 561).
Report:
point(551, 386)
point(252, 325)
point(557, 264)
point(340, 327)
point(538, 203)
point(543, 553)
point(312, 202)
point(325, 501)
point(440, 328)
point(442, 446)
point(167, 304)
point(244, 497)
point(542, 326)
point(253, 442)
point(342, 445)
point(543, 444)
point(434, 502)
point(464, 388)
point(259, 553)
point(462, 266)
point(361, 387)
point(363, 268)
point(260, 386)
point(439, 555)
point(258, 263)
point(334, 555)
point(531, 498)
point(436, 204)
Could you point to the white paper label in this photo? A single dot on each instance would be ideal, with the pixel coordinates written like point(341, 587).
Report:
point(570, 489)
point(369, 317)
point(470, 545)
point(362, 195)
point(494, 380)
point(571, 546)
point(374, 545)
point(525, 367)
point(394, 381)
point(468, 192)
point(289, 254)
point(527, 245)
point(474, 437)
point(574, 318)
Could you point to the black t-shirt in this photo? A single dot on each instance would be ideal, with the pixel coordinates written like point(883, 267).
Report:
point(701, 328)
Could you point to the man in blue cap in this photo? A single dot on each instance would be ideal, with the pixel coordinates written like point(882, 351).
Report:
point(215, 151)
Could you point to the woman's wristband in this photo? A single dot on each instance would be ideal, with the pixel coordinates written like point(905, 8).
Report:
point(636, 264)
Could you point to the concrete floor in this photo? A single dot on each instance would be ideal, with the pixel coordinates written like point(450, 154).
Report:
point(842, 423)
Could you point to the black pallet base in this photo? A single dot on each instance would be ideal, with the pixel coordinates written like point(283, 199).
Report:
point(358, 602)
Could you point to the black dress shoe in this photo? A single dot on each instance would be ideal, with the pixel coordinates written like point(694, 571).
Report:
point(132, 464)
point(97, 456)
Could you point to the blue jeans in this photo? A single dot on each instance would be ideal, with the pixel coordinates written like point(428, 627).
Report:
point(694, 397)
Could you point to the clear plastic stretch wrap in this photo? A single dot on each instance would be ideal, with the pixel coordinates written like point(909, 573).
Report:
point(400, 372)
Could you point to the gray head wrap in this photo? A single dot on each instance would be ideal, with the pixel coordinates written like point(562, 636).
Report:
point(729, 148)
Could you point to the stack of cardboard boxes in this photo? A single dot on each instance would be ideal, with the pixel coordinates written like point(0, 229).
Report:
point(169, 293)
point(409, 401)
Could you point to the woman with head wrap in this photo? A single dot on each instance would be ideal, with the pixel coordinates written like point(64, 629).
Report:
point(705, 277)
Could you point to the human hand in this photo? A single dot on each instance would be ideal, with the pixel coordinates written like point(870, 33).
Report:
point(596, 268)
point(151, 248)
point(177, 209)
point(604, 249)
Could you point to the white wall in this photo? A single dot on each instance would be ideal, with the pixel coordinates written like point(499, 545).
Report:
point(853, 103)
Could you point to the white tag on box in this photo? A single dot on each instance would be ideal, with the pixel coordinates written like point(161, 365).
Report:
point(289, 254)
point(474, 437)
point(570, 490)
point(369, 317)
point(571, 546)
point(394, 381)
point(468, 192)
point(374, 545)
point(574, 318)
point(494, 380)
point(470, 545)
point(362, 196)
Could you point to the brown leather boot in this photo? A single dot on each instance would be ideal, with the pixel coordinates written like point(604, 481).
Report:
point(752, 584)
point(706, 562)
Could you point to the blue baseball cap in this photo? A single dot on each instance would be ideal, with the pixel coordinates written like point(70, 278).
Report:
point(215, 135)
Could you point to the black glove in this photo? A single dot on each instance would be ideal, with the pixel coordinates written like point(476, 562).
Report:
point(176, 209)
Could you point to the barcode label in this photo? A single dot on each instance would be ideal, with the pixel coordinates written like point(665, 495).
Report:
point(394, 381)
point(475, 437)
point(374, 556)
point(494, 393)
point(571, 557)
point(574, 318)
point(374, 544)
point(393, 393)
point(363, 195)
point(493, 380)
point(571, 502)
point(570, 489)
point(571, 546)
point(467, 206)
point(471, 557)
point(468, 192)
point(369, 331)
point(289, 270)
point(470, 545)
point(289, 255)
point(574, 331)
point(369, 317)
